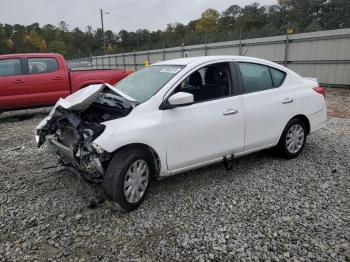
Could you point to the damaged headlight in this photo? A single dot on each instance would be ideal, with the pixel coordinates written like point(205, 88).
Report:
point(98, 148)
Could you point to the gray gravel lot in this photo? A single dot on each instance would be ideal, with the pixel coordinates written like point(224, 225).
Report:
point(267, 208)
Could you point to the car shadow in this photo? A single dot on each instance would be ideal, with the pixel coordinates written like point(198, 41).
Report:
point(211, 171)
point(22, 115)
point(169, 184)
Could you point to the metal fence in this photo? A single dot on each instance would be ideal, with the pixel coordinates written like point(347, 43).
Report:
point(324, 55)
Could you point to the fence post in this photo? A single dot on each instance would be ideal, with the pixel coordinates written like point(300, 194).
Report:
point(205, 45)
point(286, 51)
point(149, 62)
point(240, 42)
point(135, 61)
point(124, 61)
point(109, 61)
point(163, 51)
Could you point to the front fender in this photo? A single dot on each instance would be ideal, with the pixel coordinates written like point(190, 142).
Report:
point(129, 130)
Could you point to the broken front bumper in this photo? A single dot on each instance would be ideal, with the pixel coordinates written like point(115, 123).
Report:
point(91, 167)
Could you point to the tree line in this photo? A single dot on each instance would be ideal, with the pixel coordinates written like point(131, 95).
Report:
point(235, 22)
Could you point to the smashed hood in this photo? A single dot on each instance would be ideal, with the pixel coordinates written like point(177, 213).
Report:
point(93, 104)
point(83, 98)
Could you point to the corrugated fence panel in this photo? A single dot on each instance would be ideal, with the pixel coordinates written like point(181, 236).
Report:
point(173, 55)
point(195, 52)
point(272, 52)
point(324, 55)
point(327, 49)
point(155, 57)
point(325, 73)
point(223, 51)
point(141, 58)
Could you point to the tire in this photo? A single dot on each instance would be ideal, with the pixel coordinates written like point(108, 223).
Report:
point(126, 168)
point(293, 139)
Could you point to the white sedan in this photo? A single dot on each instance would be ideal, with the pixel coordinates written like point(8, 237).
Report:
point(179, 115)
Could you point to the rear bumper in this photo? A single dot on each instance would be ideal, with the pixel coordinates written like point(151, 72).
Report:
point(318, 120)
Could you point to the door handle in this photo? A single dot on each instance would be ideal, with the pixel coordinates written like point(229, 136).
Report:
point(57, 78)
point(287, 101)
point(18, 81)
point(231, 112)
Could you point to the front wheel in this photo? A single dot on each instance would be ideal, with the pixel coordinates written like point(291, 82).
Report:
point(127, 178)
point(293, 139)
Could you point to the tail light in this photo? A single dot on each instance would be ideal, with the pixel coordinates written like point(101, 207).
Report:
point(320, 90)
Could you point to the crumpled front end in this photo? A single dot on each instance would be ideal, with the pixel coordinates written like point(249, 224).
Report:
point(75, 122)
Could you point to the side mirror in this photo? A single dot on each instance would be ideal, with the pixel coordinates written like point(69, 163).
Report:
point(177, 100)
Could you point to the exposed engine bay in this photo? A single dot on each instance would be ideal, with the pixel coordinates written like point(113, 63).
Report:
point(70, 133)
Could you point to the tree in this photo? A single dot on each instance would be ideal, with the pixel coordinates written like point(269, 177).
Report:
point(253, 17)
point(208, 22)
point(228, 17)
point(43, 46)
point(58, 47)
point(34, 39)
point(253, 20)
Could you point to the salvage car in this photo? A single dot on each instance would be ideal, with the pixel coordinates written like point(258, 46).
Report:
point(179, 115)
point(37, 80)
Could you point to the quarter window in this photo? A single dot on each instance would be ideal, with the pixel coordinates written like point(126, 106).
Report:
point(255, 77)
point(10, 67)
point(277, 77)
point(42, 65)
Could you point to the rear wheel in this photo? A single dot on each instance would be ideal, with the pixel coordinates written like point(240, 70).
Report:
point(127, 178)
point(293, 139)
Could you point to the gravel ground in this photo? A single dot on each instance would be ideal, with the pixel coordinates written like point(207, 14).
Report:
point(338, 102)
point(267, 208)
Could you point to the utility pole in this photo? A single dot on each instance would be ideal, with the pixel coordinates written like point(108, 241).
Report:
point(103, 32)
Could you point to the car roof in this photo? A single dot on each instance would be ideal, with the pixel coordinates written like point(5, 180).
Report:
point(196, 61)
point(204, 59)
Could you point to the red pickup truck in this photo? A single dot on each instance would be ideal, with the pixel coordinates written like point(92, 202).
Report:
point(36, 80)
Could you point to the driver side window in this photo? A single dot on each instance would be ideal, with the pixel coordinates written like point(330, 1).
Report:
point(208, 83)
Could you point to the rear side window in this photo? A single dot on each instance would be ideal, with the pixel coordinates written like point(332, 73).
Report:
point(277, 77)
point(10, 67)
point(42, 65)
point(255, 77)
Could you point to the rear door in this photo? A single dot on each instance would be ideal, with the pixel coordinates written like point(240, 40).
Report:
point(45, 80)
point(268, 104)
point(13, 91)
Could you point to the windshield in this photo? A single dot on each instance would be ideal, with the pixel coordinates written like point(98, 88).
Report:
point(143, 84)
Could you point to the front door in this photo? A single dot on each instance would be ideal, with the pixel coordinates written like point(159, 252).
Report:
point(210, 128)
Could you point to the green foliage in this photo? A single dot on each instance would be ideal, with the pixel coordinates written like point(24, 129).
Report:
point(250, 21)
point(209, 21)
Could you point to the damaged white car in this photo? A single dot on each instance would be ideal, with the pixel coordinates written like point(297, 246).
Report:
point(179, 115)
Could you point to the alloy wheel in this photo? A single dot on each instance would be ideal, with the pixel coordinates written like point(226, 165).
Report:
point(295, 138)
point(136, 181)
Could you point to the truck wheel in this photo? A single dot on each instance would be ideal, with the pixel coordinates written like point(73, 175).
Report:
point(127, 178)
point(293, 139)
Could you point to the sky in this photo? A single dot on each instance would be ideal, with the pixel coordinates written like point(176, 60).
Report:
point(122, 14)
